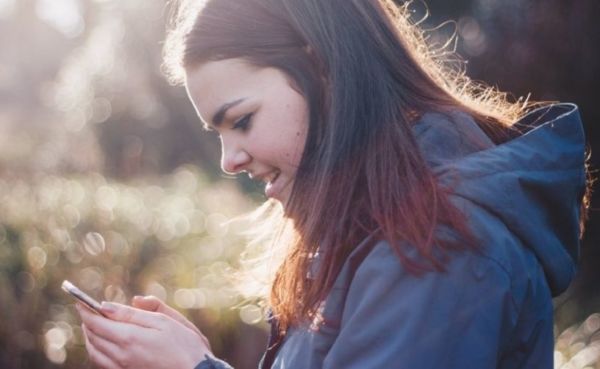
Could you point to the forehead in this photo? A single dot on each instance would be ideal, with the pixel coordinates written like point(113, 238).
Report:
point(219, 82)
point(220, 72)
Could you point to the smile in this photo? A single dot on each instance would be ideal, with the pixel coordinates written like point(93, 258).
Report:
point(271, 177)
point(273, 187)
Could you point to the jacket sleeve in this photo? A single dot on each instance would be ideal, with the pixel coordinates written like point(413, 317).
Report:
point(452, 319)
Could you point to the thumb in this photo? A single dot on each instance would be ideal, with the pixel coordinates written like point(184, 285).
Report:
point(148, 303)
point(128, 314)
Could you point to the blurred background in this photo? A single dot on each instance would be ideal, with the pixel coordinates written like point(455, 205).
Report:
point(107, 180)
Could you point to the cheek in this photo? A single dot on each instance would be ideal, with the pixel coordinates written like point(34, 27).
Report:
point(283, 149)
point(290, 144)
point(298, 139)
point(284, 137)
point(298, 128)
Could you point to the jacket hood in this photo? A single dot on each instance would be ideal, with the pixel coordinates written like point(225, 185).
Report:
point(533, 183)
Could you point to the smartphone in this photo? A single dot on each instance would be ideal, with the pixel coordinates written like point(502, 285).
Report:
point(72, 290)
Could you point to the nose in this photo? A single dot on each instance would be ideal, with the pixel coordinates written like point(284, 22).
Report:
point(234, 159)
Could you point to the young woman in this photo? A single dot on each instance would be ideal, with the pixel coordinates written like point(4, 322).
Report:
point(428, 221)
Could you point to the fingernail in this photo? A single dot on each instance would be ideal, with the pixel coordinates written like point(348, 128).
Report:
point(108, 307)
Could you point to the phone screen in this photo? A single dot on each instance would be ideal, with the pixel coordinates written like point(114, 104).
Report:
point(72, 290)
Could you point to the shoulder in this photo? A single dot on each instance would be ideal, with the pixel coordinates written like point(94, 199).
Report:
point(375, 279)
point(417, 313)
point(499, 282)
point(465, 270)
point(380, 307)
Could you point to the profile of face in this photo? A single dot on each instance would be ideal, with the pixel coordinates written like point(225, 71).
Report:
point(261, 119)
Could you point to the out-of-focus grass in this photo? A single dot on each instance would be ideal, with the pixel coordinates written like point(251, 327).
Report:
point(114, 240)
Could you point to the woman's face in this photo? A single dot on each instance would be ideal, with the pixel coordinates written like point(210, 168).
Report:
point(261, 120)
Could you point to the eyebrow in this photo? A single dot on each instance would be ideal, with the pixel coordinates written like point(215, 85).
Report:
point(219, 116)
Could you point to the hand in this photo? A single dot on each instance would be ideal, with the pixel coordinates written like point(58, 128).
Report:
point(133, 338)
point(152, 303)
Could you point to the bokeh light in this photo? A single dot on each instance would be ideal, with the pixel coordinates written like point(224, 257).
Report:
point(185, 298)
point(62, 14)
point(37, 257)
point(115, 293)
point(94, 243)
point(91, 278)
point(26, 281)
point(474, 39)
point(6, 8)
point(55, 341)
point(251, 314)
point(156, 289)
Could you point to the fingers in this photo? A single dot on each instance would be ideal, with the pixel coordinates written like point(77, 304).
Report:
point(97, 356)
point(100, 326)
point(128, 314)
point(149, 303)
point(111, 330)
point(152, 303)
point(116, 344)
point(125, 323)
point(104, 346)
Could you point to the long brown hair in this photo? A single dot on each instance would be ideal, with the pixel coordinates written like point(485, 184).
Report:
point(367, 75)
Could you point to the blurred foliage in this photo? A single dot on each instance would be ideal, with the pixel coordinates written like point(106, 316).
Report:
point(106, 180)
point(98, 100)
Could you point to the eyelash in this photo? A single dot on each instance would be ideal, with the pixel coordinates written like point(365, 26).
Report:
point(244, 123)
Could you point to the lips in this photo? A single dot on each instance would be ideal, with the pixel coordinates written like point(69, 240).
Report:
point(273, 184)
point(273, 187)
point(271, 177)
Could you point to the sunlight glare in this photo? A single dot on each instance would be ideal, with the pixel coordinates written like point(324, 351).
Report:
point(7, 8)
point(251, 314)
point(64, 15)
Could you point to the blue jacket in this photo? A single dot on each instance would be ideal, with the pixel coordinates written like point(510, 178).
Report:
point(488, 310)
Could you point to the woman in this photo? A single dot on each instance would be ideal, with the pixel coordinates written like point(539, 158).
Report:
point(427, 220)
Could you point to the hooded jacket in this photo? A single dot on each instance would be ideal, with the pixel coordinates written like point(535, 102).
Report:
point(489, 309)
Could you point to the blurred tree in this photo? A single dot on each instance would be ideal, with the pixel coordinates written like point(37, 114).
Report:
point(97, 93)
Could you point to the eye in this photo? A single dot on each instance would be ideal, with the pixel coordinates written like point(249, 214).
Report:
point(243, 123)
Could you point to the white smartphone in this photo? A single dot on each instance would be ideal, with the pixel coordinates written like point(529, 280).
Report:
point(88, 301)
